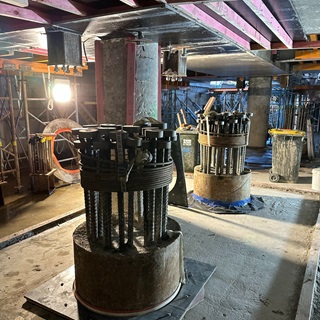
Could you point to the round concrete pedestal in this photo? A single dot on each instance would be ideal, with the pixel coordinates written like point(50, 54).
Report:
point(127, 283)
point(223, 190)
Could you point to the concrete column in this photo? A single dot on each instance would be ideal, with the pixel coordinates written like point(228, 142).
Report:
point(147, 81)
point(259, 105)
point(130, 80)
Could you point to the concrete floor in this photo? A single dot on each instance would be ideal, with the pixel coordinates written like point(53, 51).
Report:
point(261, 257)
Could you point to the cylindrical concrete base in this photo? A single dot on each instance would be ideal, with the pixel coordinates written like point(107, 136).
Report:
point(223, 189)
point(126, 283)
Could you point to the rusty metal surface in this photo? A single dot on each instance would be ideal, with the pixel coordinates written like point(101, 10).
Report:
point(57, 297)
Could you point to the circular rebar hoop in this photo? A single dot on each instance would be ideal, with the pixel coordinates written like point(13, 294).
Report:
point(223, 138)
point(125, 175)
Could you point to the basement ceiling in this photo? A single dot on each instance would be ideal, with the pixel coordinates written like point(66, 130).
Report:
point(223, 38)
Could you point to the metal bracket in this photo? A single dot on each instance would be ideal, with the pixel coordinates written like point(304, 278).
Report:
point(178, 195)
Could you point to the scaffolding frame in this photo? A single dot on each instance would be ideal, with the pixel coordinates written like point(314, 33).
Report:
point(173, 100)
point(16, 116)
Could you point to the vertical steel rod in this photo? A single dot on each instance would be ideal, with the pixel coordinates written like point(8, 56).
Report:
point(121, 219)
point(14, 135)
point(108, 220)
point(146, 222)
point(130, 217)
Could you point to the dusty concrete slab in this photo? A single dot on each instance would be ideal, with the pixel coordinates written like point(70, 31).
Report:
point(309, 302)
point(27, 210)
point(260, 257)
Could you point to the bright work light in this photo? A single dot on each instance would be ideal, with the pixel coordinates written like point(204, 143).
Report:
point(61, 91)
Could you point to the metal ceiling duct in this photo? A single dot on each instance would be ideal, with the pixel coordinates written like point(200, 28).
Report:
point(64, 48)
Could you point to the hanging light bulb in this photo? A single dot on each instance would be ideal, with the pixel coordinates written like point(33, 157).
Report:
point(61, 91)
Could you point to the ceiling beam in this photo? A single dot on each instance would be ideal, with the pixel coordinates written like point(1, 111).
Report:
point(310, 55)
point(213, 25)
point(16, 65)
point(264, 14)
point(306, 66)
point(313, 37)
point(22, 14)
point(6, 53)
point(306, 87)
point(189, 2)
point(67, 6)
point(146, 3)
point(298, 55)
point(232, 17)
point(130, 3)
point(18, 55)
point(18, 3)
point(296, 45)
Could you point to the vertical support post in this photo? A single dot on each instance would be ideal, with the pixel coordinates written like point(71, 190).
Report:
point(159, 83)
point(75, 92)
point(99, 81)
point(131, 70)
point(13, 133)
point(26, 116)
point(259, 105)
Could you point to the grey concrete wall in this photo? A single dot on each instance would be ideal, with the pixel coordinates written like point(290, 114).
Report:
point(259, 105)
point(114, 54)
point(147, 81)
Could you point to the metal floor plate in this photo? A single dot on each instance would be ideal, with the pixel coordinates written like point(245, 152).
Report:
point(56, 295)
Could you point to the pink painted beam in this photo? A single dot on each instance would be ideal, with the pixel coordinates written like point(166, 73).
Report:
point(224, 11)
point(130, 3)
point(159, 84)
point(211, 23)
point(297, 45)
point(38, 51)
point(67, 6)
point(186, 2)
point(264, 14)
point(23, 14)
point(18, 3)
